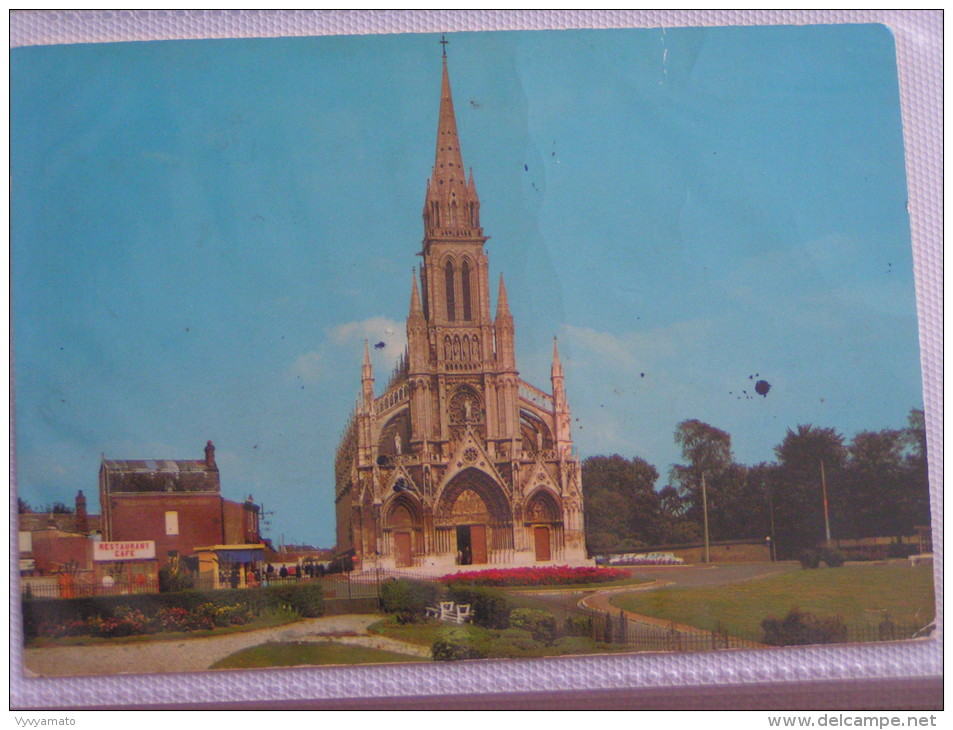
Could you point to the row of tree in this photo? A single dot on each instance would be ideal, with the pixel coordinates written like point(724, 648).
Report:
point(876, 486)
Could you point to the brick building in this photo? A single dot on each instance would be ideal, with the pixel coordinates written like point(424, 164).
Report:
point(459, 461)
point(52, 541)
point(177, 503)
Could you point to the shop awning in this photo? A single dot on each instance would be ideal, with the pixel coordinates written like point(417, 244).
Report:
point(248, 555)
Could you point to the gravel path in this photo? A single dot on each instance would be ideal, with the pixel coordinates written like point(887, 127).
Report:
point(196, 655)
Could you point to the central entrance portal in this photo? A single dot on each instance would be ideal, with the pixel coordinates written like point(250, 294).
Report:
point(471, 544)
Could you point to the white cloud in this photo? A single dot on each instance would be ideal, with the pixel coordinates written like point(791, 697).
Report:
point(308, 367)
point(374, 330)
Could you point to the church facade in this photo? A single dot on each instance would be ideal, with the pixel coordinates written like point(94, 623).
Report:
point(459, 461)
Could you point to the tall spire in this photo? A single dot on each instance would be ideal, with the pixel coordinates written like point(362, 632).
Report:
point(449, 162)
point(452, 204)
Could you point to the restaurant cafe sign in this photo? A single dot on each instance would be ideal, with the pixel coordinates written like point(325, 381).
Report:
point(126, 550)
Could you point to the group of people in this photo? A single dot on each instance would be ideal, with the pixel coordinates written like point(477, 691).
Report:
point(254, 576)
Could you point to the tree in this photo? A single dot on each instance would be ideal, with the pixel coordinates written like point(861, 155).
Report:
point(916, 499)
point(875, 483)
point(798, 497)
point(622, 507)
point(707, 451)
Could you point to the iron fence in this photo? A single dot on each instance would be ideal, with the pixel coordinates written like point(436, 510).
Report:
point(86, 588)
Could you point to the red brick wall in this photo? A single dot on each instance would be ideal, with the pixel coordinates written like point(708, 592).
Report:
point(142, 517)
point(234, 522)
point(52, 549)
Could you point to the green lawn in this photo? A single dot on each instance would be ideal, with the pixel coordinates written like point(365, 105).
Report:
point(422, 633)
point(291, 654)
point(858, 593)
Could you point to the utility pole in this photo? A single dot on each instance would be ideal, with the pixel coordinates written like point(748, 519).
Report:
point(705, 511)
point(827, 520)
point(774, 550)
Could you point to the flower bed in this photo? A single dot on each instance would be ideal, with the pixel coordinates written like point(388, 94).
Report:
point(127, 621)
point(545, 576)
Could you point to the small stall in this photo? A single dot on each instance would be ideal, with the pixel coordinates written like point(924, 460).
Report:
point(230, 566)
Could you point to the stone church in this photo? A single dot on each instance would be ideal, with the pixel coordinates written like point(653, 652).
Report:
point(459, 461)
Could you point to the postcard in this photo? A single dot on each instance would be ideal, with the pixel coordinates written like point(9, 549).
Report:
point(420, 351)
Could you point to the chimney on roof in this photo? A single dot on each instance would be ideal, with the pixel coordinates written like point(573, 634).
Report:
point(209, 455)
point(82, 523)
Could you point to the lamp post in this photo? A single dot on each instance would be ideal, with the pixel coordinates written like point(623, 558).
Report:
point(827, 520)
point(705, 518)
point(771, 541)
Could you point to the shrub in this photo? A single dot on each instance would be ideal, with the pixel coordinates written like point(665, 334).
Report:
point(540, 624)
point(407, 599)
point(306, 598)
point(179, 580)
point(453, 644)
point(800, 627)
point(809, 559)
point(488, 608)
point(899, 550)
point(579, 625)
point(832, 557)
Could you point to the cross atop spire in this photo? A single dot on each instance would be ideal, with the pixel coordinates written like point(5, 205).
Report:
point(444, 42)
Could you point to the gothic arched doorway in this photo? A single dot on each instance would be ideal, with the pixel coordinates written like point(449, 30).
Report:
point(473, 519)
point(545, 526)
point(403, 524)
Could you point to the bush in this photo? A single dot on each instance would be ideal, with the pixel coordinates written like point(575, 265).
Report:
point(899, 550)
point(180, 580)
point(407, 599)
point(832, 557)
point(799, 628)
point(579, 625)
point(489, 608)
point(809, 559)
point(454, 644)
point(540, 624)
point(305, 598)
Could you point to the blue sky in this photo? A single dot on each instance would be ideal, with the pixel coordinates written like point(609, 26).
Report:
point(205, 232)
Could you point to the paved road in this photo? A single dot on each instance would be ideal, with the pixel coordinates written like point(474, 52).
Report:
point(199, 654)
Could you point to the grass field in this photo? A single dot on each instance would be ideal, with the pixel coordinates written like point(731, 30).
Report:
point(292, 654)
point(861, 594)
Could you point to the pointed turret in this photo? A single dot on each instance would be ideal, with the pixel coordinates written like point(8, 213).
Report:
point(503, 303)
point(505, 331)
point(562, 418)
point(416, 311)
point(417, 349)
point(559, 391)
point(367, 381)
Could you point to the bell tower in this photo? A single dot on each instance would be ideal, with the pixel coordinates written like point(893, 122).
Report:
point(452, 336)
